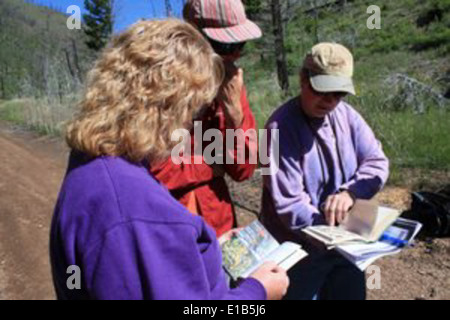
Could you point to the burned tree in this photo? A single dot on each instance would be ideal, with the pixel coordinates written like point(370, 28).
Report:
point(280, 51)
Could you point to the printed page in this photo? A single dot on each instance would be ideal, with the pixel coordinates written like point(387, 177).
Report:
point(332, 235)
point(398, 235)
point(246, 251)
point(385, 217)
point(287, 255)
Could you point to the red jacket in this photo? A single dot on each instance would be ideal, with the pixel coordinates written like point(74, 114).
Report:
point(195, 186)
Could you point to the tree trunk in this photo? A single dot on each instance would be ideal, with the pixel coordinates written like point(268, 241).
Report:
point(79, 72)
point(2, 87)
point(69, 65)
point(168, 8)
point(280, 51)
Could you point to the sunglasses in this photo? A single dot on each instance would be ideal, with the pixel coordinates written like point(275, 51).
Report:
point(226, 49)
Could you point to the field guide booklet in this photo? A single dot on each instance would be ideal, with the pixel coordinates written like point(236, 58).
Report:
point(253, 246)
point(398, 236)
point(365, 222)
point(368, 233)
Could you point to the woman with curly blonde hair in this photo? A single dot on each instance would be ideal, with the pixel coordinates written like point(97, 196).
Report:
point(128, 237)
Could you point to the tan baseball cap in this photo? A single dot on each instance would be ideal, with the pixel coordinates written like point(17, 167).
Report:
point(330, 67)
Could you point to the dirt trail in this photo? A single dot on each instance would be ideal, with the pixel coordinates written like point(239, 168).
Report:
point(31, 171)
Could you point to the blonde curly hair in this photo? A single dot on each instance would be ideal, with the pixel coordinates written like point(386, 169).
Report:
point(151, 80)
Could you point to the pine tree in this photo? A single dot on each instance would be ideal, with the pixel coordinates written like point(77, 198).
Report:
point(99, 22)
point(253, 7)
point(169, 11)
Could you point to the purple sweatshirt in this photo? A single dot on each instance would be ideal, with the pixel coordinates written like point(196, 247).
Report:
point(317, 158)
point(132, 240)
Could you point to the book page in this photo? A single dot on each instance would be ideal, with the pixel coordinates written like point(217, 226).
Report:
point(385, 217)
point(236, 257)
point(258, 240)
point(246, 251)
point(397, 236)
point(287, 255)
point(362, 218)
point(332, 235)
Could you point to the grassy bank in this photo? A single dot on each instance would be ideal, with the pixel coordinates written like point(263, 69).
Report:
point(45, 116)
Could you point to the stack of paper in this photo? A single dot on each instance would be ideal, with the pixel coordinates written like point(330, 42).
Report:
point(368, 233)
point(400, 234)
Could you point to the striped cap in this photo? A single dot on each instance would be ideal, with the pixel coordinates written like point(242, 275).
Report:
point(221, 20)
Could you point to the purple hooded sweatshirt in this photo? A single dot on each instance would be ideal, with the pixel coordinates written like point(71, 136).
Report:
point(132, 240)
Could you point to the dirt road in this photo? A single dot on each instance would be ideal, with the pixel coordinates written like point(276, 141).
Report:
point(32, 168)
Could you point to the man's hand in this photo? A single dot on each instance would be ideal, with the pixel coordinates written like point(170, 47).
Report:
point(230, 95)
point(337, 206)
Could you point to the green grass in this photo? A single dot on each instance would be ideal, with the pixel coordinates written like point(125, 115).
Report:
point(410, 140)
point(44, 116)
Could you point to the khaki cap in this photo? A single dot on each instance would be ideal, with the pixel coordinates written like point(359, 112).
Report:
point(330, 67)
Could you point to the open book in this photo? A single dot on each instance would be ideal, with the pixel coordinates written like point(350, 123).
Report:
point(365, 222)
point(253, 246)
point(399, 235)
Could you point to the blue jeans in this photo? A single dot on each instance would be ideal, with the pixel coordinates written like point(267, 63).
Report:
point(326, 276)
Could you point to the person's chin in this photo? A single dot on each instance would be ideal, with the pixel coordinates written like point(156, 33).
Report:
point(324, 111)
point(321, 113)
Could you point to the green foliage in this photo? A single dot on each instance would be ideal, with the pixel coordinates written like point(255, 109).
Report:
point(99, 23)
point(46, 116)
point(410, 139)
point(39, 55)
point(12, 111)
point(253, 7)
